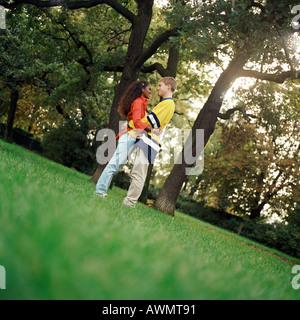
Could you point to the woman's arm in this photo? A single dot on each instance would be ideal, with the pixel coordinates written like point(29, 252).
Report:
point(138, 113)
point(147, 129)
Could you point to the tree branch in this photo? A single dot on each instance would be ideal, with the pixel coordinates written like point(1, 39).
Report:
point(285, 48)
point(171, 69)
point(148, 53)
point(77, 41)
point(257, 5)
point(113, 68)
point(230, 112)
point(72, 5)
point(278, 78)
point(154, 67)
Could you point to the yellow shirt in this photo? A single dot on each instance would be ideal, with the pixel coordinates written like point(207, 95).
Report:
point(158, 118)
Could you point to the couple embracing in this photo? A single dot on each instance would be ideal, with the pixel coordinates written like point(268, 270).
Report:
point(142, 134)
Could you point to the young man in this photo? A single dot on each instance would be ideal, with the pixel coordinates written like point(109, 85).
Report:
point(147, 144)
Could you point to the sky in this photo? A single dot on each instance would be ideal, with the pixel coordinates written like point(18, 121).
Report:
point(160, 3)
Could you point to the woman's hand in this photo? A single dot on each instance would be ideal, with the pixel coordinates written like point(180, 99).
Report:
point(124, 126)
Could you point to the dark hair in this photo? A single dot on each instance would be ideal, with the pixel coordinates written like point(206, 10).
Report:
point(133, 92)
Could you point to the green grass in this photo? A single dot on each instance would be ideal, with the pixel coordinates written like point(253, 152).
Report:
point(60, 241)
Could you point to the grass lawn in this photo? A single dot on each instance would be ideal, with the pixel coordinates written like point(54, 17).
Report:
point(60, 241)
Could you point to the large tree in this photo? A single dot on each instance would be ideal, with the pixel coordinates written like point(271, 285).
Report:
point(251, 34)
point(252, 164)
point(136, 55)
point(19, 66)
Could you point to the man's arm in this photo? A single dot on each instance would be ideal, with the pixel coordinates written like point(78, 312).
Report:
point(161, 115)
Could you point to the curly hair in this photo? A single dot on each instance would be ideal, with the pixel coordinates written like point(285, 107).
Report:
point(133, 92)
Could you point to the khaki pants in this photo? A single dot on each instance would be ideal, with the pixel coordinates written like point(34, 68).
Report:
point(138, 176)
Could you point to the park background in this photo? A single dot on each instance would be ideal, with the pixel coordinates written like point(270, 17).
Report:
point(64, 68)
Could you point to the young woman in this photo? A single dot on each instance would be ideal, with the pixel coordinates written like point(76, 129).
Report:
point(147, 147)
point(132, 106)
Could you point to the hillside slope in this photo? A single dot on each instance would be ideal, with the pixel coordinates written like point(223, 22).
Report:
point(60, 241)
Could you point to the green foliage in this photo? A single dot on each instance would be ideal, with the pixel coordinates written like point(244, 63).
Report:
point(294, 218)
point(253, 165)
point(285, 238)
point(69, 145)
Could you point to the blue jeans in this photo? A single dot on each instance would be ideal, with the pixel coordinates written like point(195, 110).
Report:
point(124, 149)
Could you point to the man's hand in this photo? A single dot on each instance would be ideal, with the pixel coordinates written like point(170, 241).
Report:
point(157, 132)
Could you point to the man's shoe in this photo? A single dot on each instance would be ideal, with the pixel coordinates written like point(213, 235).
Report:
point(128, 205)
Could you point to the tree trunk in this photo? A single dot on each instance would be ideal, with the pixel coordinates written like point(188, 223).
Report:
point(135, 48)
point(257, 208)
point(256, 212)
point(171, 71)
point(11, 114)
point(206, 120)
point(131, 70)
